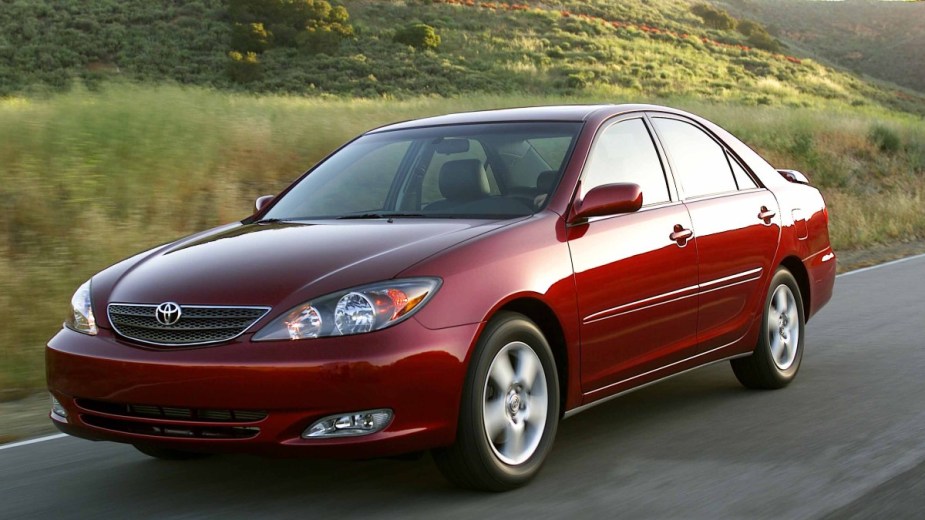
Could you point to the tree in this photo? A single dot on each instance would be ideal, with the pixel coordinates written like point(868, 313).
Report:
point(249, 37)
point(714, 17)
point(312, 24)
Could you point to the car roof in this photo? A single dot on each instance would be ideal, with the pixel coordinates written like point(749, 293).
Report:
point(577, 113)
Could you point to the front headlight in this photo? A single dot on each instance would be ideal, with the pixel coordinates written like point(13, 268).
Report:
point(353, 311)
point(81, 317)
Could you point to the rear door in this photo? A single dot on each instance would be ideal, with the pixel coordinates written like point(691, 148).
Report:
point(637, 287)
point(736, 228)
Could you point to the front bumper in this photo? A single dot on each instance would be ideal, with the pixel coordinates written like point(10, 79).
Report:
point(416, 372)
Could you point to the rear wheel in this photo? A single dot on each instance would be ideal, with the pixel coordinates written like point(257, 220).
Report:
point(167, 453)
point(777, 357)
point(510, 409)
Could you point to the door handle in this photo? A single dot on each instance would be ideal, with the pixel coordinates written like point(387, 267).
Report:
point(766, 215)
point(681, 235)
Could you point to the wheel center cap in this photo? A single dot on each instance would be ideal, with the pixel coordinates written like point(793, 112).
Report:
point(513, 403)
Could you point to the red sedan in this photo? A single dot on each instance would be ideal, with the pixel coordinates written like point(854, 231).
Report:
point(456, 284)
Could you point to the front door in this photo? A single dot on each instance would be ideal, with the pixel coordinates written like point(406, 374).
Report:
point(636, 274)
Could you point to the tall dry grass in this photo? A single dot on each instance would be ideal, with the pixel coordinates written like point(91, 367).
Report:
point(89, 178)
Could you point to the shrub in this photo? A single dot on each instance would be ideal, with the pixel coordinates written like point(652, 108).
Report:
point(244, 67)
point(579, 80)
point(319, 40)
point(884, 138)
point(763, 40)
point(555, 53)
point(419, 35)
point(748, 27)
point(714, 17)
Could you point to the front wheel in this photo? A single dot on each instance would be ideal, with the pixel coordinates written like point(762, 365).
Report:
point(777, 357)
point(509, 411)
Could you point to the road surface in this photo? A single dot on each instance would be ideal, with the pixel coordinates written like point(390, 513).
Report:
point(846, 440)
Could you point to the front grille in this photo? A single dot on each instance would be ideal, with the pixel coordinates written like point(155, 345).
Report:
point(171, 421)
point(171, 412)
point(170, 430)
point(198, 324)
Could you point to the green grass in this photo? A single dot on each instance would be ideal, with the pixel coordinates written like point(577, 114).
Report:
point(89, 178)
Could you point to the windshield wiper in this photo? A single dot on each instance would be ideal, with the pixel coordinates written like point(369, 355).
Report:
point(380, 215)
point(268, 221)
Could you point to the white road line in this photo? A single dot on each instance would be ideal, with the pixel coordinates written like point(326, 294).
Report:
point(32, 441)
point(856, 271)
point(878, 266)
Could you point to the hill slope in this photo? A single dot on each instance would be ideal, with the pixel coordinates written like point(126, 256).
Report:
point(618, 49)
point(885, 40)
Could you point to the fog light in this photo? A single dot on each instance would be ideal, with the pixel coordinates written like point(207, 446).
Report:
point(57, 409)
point(348, 425)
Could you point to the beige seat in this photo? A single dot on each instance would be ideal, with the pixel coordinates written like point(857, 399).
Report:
point(461, 181)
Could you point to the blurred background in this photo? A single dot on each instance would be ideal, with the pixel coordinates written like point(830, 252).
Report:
point(129, 123)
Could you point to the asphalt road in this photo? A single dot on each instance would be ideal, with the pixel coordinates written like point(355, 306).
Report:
point(846, 440)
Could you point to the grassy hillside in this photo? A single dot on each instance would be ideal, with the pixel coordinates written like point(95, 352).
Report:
point(885, 40)
point(617, 49)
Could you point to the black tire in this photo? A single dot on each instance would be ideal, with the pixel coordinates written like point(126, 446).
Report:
point(764, 369)
point(475, 461)
point(167, 453)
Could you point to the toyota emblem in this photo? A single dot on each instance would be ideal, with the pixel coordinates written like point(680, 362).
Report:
point(168, 313)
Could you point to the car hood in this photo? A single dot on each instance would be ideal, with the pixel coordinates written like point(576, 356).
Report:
point(279, 263)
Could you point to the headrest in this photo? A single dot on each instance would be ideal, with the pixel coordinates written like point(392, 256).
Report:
point(545, 180)
point(463, 179)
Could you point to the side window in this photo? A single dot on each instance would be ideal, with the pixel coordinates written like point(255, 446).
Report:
point(698, 162)
point(743, 181)
point(624, 152)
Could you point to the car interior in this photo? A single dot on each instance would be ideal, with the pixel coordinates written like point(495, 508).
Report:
point(510, 179)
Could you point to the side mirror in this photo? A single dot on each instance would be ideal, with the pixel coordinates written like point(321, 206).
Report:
point(609, 199)
point(263, 202)
point(794, 176)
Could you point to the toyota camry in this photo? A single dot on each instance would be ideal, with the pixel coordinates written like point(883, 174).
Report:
point(457, 284)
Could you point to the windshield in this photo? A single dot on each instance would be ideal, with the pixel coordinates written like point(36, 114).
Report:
point(498, 170)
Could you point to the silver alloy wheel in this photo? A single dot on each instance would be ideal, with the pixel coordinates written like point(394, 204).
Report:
point(783, 327)
point(515, 403)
